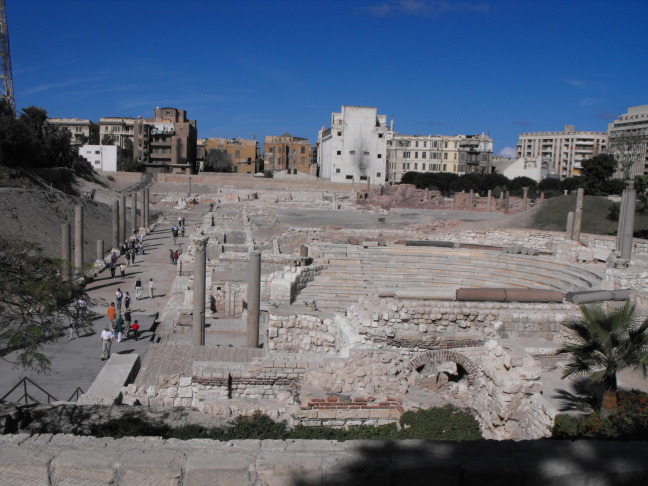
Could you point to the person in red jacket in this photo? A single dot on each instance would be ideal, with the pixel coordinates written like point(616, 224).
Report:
point(135, 328)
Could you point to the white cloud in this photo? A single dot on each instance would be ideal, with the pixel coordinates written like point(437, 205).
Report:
point(507, 152)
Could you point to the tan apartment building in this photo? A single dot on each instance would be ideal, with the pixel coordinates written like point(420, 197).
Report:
point(120, 128)
point(628, 142)
point(83, 131)
point(562, 152)
point(286, 152)
point(458, 154)
point(245, 153)
point(166, 142)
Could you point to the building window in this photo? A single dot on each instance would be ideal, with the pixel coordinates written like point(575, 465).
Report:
point(303, 150)
point(416, 155)
point(406, 155)
point(423, 155)
point(380, 135)
point(422, 166)
point(237, 154)
point(97, 162)
point(366, 153)
point(97, 152)
point(337, 171)
point(445, 156)
point(363, 178)
point(417, 143)
point(349, 177)
point(380, 156)
point(378, 174)
point(352, 152)
point(339, 152)
point(339, 134)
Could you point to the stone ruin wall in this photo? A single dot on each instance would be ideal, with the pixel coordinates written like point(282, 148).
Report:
point(285, 285)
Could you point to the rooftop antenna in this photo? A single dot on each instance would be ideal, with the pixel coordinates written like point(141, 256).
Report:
point(5, 58)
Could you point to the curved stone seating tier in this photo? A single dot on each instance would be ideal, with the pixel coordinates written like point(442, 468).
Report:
point(355, 271)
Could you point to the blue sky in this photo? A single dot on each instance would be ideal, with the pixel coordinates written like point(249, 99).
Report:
point(266, 67)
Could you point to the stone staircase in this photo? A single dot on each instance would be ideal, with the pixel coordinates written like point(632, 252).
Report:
point(355, 271)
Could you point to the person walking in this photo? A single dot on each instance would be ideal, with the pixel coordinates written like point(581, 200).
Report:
point(112, 269)
point(127, 301)
point(138, 289)
point(133, 252)
point(128, 258)
point(119, 328)
point(118, 297)
point(151, 286)
point(74, 329)
point(106, 340)
point(176, 255)
point(81, 306)
point(136, 327)
point(171, 255)
point(122, 271)
point(127, 322)
point(112, 313)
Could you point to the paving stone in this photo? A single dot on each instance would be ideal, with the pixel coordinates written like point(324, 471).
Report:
point(218, 469)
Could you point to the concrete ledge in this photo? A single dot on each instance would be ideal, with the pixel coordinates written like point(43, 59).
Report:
point(118, 371)
point(64, 459)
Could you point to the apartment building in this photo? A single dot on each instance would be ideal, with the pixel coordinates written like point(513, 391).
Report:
point(101, 157)
point(82, 131)
point(119, 128)
point(245, 153)
point(166, 142)
point(354, 147)
point(286, 152)
point(628, 142)
point(562, 152)
point(459, 154)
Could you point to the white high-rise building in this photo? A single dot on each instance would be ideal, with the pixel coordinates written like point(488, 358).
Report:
point(354, 147)
point(562, 152)
point(628, 142)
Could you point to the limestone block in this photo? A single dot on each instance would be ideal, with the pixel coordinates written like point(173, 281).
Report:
point(231, 469)
point(84, 467)
point(21, 466)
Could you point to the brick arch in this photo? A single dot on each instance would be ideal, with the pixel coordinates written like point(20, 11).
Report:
point(441, 355)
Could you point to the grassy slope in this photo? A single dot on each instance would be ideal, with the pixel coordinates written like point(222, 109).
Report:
point(553, 216)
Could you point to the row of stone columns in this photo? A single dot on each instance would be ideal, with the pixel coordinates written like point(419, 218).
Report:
point(119, 230)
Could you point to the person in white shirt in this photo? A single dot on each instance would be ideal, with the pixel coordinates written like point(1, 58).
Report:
point(151, 287)
point(106, 340)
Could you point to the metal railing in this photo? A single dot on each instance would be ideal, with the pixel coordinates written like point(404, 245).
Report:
point(28, 395)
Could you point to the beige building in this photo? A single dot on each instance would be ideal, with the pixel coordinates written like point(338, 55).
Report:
point(120, 128)
point(245, 153)
point(82, 131)
point(562, 152)
point(286, 152)
point(458, 154)
point(168, 141)
point(628, 141)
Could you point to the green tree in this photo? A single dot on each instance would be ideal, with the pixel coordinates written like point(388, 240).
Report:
point(596, 171)
point(218, 160)
point(603, 343)
point(36, 302)
point(108, 139)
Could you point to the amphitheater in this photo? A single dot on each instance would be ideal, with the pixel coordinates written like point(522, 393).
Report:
point(368, 311)
point(369, 307)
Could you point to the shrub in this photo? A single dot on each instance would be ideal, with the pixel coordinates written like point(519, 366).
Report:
point(445, 423)
point(613, 212)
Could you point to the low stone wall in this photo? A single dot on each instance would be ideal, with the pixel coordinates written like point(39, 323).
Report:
point(46, 459)
point(286, 285)
point(299, 333)
point(335, 412)
point(427, 320)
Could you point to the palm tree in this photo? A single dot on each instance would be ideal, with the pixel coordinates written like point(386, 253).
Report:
point(603, 343)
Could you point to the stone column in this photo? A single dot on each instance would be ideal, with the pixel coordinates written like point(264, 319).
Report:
point(253, 299)
point(454, 202)
point(541, 197)
point(506, 202)
point(115, 225)
point(628, 222)
point(525, 198)
point(570, 225)
point(578, 215)
point(470, 200)
point(200, 271)
point(133, 214)
point(622, 206)
point(335, 206)
point(100, 263)
point(490, 196)
point(303, 251)
point(78, 236)
point(142, 210)
point(122, 219)
point(66, 248)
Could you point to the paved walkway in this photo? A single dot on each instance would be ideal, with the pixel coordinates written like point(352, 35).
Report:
point(76, 363)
